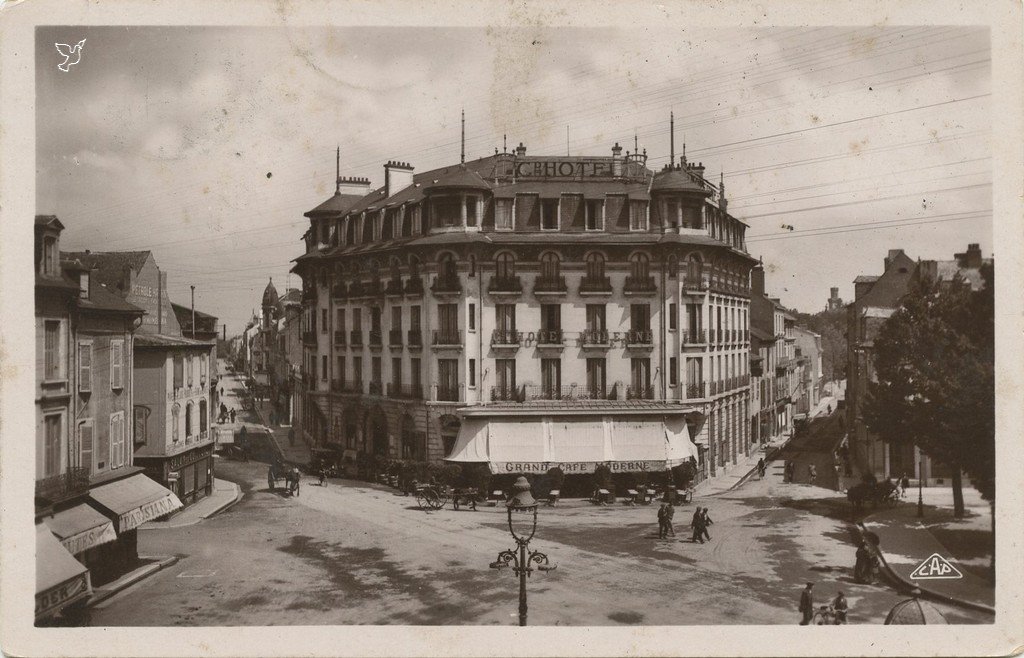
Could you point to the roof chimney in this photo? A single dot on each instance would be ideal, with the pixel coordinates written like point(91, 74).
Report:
point(971, 258)
point(397, 177)
point(893, 253)
point(520, 150)
point(352, 185)
point(757, 281)
point(616, 160)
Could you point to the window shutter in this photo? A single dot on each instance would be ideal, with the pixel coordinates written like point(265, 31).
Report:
point(116, 364)
point(85, 445)
point(85, 367)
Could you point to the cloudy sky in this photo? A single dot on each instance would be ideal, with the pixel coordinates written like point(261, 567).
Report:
point(206, 145)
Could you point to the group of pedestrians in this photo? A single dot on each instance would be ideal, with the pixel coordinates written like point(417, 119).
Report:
point(699, 523)
point(226, 414)
point(838, 607)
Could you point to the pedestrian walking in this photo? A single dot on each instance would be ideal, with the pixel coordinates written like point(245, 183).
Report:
point(705, 522)
point(670, 512)
point(840, 606)
point(904, 485)
point(232, 415)
point(698, 527)
point(323, 476)
point(760, 467)
point(812, 474)
point(291, 436)
point(662, 531)
point(806, 604)
point(222, 391)
point(272, 418)
point(839, 479)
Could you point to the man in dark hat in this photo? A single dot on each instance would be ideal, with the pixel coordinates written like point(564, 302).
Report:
point(806, 604)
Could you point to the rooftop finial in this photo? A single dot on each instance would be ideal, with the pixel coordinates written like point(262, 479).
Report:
point(462, 157)
point(684, 149)
point(504, 143)
point(337, 170)
point(672, 138)
point(636, 149)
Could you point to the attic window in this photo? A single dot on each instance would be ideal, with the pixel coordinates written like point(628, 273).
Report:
point(903, 270)
point(83, 285)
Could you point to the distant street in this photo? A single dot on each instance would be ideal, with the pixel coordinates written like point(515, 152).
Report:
point(354, 553)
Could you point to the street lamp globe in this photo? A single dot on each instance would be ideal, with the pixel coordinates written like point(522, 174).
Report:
point(522, 511)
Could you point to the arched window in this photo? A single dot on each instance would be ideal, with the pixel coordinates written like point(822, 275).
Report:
point(693, 270)
point(505, 265)
point(188, 420)
point(673, 266)
point(202, 416)
point(446, 266)
point(595, 265)
point(396, 271)
point(374, 271)
point(414, 267)
point(550, 266)
point(641, 265)
point(176, 422)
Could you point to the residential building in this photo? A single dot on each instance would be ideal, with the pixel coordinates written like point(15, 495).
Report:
point(808, 356)
point(460, 312)
point(204, 329)
point(876, 298)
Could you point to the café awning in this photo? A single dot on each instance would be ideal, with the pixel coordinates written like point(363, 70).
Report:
point(134, 500)
point(60, 578)
point(81, 528)
point(576, 444)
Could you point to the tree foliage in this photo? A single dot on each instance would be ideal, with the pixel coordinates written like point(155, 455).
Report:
point(831, 326)
point(934, 362)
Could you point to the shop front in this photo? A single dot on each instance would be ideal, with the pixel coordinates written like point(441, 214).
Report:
point(188, 474)
point(62, 582)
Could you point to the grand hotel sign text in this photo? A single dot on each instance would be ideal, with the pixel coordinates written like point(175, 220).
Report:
point(572, 168)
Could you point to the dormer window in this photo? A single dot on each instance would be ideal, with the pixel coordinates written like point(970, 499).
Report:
point(83, 285)
point(471, 210)
point(595, 215)
point(637, 215)
point(549, 214)
point(50, 260)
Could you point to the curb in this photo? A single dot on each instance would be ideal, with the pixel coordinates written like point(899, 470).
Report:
point(891, 575)
point(163, 562)
point(227, 504)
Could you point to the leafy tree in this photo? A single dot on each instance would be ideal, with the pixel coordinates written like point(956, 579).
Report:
point(935, 380)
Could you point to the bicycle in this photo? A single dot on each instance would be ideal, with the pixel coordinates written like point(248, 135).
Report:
point(825, 616)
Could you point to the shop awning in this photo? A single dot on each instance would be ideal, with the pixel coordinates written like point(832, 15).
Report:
point(576, 444)
point(60, 578)
point(135, 500)
point(81, 528)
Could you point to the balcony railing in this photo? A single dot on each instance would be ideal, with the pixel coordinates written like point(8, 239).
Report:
point(570, 392)
point(639, 285)
point(376, 388)
point(505, 338)
point(415, 337)
point(339, 291)
point(394, 287)
point(549, 337)
point(58, 488)
point(595, 285)
point(355, 337)
point(701, 282)
point(696, 391)
point(356, 289)
point(639, 337)
point(405, 391)
point(446, 285)
point(354, 386)
point(698, 337)
point(337, 386)
point(414, 286)
point(550, 286)
point(339, 337)
point(505, 285)
point(639, 392)
point(395, 337)
point(594, 337)
point(376, 338)
point(448, 393)
point(309, 337)
point(447, 338)
point(506, 394)
point(373, 288)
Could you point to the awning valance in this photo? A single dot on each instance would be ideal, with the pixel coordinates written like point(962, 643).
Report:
point(576, 444)
point(60, 578)
point(81, 528)
point(135, 500)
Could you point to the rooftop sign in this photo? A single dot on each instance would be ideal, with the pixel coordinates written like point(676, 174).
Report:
point(570, 168)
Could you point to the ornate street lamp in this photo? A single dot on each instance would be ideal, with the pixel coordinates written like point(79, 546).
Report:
point(522, 523)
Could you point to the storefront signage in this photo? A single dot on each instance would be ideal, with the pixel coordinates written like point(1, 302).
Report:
point(57, 597)
point(147, 512)
point(83, 541)
point(575, 468)
point(570, 168)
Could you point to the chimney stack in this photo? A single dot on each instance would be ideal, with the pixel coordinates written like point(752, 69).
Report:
point(616, 160)
point(757, 280)
point(893, 253)
point(520, 150)
point(971, 258)
point(397, 177)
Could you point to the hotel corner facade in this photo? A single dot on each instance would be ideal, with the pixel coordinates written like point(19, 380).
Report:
point(529, 312)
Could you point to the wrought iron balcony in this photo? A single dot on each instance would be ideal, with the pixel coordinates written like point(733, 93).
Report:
point(640, 392)
point(355, 337)
point(394, 287)
point(505, 338)
point(697, 283)
point(58, 488)
point(506, 394)
point(505, 285)
point(405, 391)
point(639, 337)
point(356, 289)
point(339, 337)
point(550, 286)
point(448, 393)
point(447, 338)
point(337, 386)
point(373, 288)
point(376, 338)
point(415, 337)
point(639, 286)
point(698, 337)
point(446, 285)
point(550, 337)
point(595, 285)
point(395, 337)
point(570, 392)
point(696, 391)
point(414, 286)
point(339, 291)
point(376, 388)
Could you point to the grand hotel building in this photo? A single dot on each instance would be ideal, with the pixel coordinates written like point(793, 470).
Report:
point(529, 311)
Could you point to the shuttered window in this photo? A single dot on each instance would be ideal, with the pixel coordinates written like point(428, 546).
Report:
point(503, 214)
point(571, 211)
point(51, 349)
point(117, 452)
point(526, 211)
point(85, 366)
point(116, 364)
point(85, 444)
point(51, 450)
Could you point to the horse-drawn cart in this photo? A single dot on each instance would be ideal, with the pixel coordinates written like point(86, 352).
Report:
point(876, 493)
point(290, 476)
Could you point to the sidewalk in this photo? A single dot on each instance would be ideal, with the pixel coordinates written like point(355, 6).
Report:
point(299, 452)
point(741, 471)
point(225, 494)
point(905, 541)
